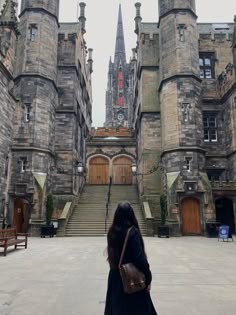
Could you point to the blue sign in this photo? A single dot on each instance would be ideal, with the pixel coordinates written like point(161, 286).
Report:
point(223, 232)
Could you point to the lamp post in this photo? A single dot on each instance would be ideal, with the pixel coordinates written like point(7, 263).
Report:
point(153, 169)
point(80, 167)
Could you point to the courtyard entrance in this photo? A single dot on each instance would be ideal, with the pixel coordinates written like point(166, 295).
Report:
point(190, 213)
point(225, 212)
point(21, 215)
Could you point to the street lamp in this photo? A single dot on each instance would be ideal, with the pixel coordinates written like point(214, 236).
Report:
point(80, 167)
point(153, 169)
point(134, 168)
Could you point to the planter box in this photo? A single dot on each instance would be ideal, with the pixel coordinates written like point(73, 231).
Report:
point(163, 231)
point(47, 230)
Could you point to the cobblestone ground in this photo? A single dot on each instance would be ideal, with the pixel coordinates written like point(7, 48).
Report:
point(68, 276)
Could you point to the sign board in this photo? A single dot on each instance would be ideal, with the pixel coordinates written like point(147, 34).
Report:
point(223, 232)
point(174, 210)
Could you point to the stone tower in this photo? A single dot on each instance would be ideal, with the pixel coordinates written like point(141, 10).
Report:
point(183, 156)
point(8, 105)
point(33, 149)
point(117, 94)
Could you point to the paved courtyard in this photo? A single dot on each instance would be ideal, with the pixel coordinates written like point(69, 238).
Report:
point(68, 276)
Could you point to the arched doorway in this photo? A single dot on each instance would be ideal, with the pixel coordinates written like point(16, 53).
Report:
point(190, 212)
point(98, 171)
point(225, 212)
point(21, 215)
point(121, 171)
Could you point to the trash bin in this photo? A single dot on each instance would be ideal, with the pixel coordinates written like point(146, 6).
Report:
point(212, 228)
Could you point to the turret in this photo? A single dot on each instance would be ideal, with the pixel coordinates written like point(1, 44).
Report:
point(8, 34)
point(51, 7)
point(36, 88)
point(167, 6)
point(38, 40)
point(138, 18)
point(82, 17)
point(180, 84)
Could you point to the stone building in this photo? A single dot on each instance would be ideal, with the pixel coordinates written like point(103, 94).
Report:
point(46, 105)
point(184, 100)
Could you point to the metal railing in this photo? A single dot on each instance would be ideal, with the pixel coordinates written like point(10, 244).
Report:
point(108, 202)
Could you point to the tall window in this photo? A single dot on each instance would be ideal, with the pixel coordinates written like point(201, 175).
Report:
point(210, 128)
point(23, 164)
point(188, 163)
point(27, 112)
point(120, 88)
point(6, 166)
point(206, 64)
point(32, 32)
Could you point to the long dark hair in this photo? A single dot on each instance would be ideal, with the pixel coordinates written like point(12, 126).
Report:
point(124, 218)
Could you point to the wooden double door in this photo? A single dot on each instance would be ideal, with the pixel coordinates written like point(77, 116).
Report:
point(99, 171)
point(191, 219)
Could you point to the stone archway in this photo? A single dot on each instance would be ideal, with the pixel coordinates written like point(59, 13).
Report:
point(21, 215)
point(190, 214)
point(225, 212)
point(98, 171)
point(121, 171)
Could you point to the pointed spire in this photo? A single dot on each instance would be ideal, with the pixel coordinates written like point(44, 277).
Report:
point(8, 14)
point(120, 42)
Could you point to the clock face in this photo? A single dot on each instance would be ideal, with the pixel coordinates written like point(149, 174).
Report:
point(120, 117)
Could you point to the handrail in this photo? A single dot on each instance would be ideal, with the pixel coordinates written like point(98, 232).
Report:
point(108, 202)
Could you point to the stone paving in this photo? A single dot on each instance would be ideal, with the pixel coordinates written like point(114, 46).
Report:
point(68, 276)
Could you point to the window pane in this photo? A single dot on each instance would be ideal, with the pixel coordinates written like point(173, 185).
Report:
point(205, 122)
point(201, 74)
point(213, 135)
point(208, 74)
point(212, 122)
point(207, 61)
point(200, 62)
point(206, 135)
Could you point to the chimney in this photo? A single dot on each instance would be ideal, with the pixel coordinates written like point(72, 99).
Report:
point(138, 18)
point(82, 17)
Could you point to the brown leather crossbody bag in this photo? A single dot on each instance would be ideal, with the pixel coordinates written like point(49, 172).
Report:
point(133, 279)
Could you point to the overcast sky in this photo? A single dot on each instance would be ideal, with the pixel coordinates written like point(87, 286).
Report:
point(101, 32)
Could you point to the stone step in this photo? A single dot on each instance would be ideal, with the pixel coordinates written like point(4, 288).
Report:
point(88, 217)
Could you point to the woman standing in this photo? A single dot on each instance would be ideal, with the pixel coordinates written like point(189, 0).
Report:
point(118, 302)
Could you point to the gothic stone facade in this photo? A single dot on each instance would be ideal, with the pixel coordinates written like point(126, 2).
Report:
point(45, 93)
point(184, 102)
point(118, 93)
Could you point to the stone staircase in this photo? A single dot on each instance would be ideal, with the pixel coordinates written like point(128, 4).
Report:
point(88, 217)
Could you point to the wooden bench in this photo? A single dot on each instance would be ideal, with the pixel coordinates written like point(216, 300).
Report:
point(9, 237)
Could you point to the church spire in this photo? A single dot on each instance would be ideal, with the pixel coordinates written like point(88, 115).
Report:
point(8, 14)
point(120, 54)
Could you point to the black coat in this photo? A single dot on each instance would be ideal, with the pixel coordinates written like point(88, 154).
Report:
point(139, 303)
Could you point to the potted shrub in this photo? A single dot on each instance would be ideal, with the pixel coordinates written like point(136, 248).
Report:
point(48, 229)
point(163, 229)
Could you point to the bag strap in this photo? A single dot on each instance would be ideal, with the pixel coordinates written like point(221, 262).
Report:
point(124, 246)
